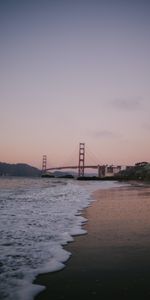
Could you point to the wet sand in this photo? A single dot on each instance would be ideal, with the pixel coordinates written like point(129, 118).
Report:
point(113, 259)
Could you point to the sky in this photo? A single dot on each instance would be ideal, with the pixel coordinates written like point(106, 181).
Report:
point(71, 72)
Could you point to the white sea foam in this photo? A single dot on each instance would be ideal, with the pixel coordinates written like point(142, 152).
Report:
point(38, 217)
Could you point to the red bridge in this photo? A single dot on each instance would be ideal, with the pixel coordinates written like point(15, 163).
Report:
point(101, 169)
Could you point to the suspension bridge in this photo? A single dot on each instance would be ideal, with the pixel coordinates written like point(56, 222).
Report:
point(102, 170)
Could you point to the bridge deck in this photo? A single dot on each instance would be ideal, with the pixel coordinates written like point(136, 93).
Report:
point(71, 167)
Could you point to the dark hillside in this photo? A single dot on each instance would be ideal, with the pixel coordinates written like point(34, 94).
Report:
point(141, 171)
point(18, 170)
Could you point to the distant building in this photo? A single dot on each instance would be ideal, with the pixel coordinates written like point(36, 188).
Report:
point(110, 170)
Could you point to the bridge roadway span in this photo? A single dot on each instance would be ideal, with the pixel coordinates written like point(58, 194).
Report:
point(72, 167)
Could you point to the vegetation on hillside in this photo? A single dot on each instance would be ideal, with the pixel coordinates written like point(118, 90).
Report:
point(141, 171)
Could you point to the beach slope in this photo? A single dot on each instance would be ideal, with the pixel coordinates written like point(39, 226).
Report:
point(113, 259)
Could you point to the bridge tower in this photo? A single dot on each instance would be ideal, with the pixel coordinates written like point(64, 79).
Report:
point(81, 159)
point(44, 164)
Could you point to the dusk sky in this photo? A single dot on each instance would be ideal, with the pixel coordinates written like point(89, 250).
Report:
point(74, 71)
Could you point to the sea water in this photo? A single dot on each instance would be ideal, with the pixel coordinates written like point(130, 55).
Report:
point(37, 217)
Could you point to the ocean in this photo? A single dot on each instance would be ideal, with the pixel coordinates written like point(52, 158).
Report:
point(38, 216)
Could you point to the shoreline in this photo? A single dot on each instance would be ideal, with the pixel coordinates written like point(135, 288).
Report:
point(112, 258)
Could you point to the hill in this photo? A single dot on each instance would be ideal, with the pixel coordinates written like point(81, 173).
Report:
point(141, 171)
point(18, 170)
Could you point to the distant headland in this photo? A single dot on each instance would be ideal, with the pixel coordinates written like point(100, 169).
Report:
point(19, 169)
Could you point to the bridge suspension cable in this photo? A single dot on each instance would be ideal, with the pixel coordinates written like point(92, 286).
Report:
point(92, 156)
point(72, 158)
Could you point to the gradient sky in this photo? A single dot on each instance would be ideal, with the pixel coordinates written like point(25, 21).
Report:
point(74, 71)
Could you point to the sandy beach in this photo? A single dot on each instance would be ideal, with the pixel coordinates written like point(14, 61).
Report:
point(113, 259)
